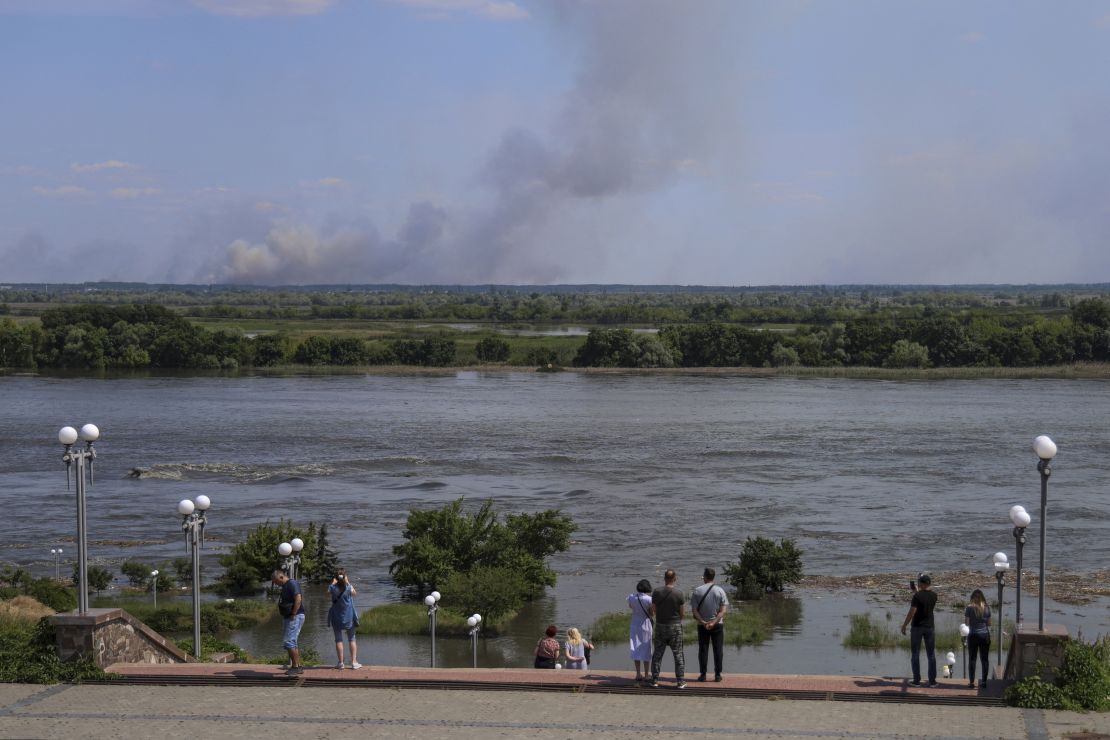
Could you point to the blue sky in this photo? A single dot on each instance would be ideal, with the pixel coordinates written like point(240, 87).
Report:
point(530, 141)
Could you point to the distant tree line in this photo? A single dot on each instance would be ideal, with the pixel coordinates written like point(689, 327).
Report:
point(147, 336)
point(100, 337)
point(936, 341)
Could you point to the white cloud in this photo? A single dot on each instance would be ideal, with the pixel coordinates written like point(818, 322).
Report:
point(62, 191)
point(111, 164)
point(22, 170)
point(263, 8)
point(501, 10)
point(972, 37)
point(131, 193)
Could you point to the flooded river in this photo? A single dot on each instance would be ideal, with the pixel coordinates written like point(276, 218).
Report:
point(658, 471)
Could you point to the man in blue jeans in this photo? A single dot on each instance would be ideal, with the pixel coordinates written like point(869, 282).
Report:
point(291, 607)
point(920, 617)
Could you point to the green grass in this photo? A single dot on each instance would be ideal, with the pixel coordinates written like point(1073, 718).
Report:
point(742, 627)
point(28, 654)
point(409, 619)
point(866, 634)
point(215, 617)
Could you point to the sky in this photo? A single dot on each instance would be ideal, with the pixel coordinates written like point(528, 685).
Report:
point(711, 142)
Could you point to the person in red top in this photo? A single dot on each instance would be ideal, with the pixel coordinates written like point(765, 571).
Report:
point(547, 649)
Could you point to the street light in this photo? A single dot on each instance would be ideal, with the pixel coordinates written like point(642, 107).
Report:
point(57, 553)
point(82, 459)
point(154, 585)
point(194, 518)
point(1001, 565)
point(291, 551)
point(1046, 450)
point(949, 661)
point(964, 632)
point(474, 622)
point(432, 602)
point(1020, 518)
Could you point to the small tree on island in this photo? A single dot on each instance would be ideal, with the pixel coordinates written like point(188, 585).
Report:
point(460, 553)
point(249, 563)
point(764, 566)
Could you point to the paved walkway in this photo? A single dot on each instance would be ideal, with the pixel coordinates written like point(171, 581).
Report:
point(290, 711)
point(793, 686)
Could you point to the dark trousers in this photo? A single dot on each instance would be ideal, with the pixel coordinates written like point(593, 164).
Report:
point(978, 644)
point(717, 636)
point(544, 662)
point(917, 634)
point(668, 636)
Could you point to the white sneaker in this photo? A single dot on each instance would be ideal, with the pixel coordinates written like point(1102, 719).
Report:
point(339, 666)
point(356, 666)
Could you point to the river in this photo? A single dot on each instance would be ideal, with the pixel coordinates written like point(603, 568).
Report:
point(658, 471)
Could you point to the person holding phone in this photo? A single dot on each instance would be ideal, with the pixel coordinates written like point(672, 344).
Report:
point(343, 617)
point(920, 616)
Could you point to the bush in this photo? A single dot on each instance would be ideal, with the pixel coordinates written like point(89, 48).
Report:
point(28, 654)
point(495, 593)
point(53, 594)
point(250, 563)
point(210, 645)
point(1082, 683)
point(764, 566)
point(442, 542)
point(742, 627)
point(492, 349)
point(99, 577)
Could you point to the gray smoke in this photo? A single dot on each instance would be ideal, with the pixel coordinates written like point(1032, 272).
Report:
point(654, 98)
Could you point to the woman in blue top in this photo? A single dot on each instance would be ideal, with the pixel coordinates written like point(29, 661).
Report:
point(977, 616)
point(343, 617)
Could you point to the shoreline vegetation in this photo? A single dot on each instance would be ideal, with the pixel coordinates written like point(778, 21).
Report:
point(881, 332)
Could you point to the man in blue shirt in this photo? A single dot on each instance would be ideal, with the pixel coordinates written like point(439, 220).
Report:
point(292, 613)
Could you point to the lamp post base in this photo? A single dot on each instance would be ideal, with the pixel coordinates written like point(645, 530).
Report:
point(1030, 645)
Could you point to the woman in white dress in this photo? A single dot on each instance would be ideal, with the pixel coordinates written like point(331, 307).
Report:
point(640, 631)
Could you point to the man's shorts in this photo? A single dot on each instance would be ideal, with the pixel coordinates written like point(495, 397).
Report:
point(291, 631)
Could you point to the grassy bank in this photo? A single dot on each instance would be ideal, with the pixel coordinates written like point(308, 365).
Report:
point(865, 633)
point(28, 647)
point(412, 619)
point(742, 627)
point(177, 617)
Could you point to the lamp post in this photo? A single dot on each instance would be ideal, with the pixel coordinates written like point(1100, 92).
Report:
point(964, 632)
point(1001, 565)
point(82, 460)
point(1046, 450)
point(474, 622)
point(291, 551)
point(432, 602)
point(950, 661)
point(194, 518)
point(1020, 519)
point(57, 553)
point(154, 586)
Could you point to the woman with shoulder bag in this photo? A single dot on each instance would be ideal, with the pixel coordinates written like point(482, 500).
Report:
point(641, 629)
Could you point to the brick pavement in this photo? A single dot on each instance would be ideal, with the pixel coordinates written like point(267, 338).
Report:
point(293, 709)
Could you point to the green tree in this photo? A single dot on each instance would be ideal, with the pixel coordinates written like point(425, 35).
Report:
point(783, 356)
point(764, 566)
point(137, 573)
point(905, 353)
point(492, 349)
point(492, 592)
point(442, 542)
point(250, 562)
point(99, 577)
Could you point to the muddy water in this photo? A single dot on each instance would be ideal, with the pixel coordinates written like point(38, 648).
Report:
point(867, 476)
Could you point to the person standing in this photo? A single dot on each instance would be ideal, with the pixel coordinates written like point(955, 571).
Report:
point(640, 628)
point(709, 604)
point(343, 617)
point(291, 606)
point(920, 616)
point(668, 606)
point(977, 616)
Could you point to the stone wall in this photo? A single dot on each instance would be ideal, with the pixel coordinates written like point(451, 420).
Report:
point(1031, 645)
point(112, 636)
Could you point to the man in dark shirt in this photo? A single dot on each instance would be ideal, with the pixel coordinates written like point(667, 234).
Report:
point(920, 619)
point(292, 612)
point(668, 608)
